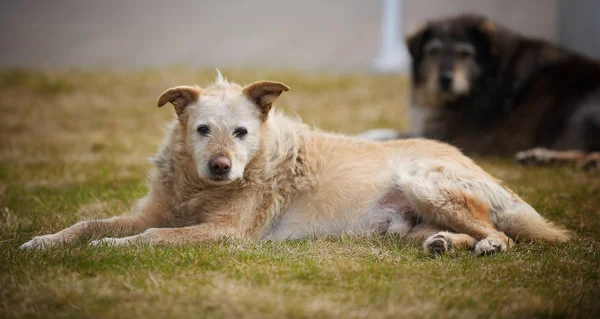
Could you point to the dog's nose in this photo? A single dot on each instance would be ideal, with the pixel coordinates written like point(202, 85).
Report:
point(220, 165)
point(446, 80)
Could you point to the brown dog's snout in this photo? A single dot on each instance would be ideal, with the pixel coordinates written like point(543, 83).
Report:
point(446, 78)
point(220, 165)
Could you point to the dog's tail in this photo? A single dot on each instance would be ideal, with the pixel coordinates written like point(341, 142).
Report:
point(522, 222)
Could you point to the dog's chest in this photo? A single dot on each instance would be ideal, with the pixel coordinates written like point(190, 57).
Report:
point(208, 207)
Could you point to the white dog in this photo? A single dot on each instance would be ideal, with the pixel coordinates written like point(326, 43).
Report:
point(231, 167)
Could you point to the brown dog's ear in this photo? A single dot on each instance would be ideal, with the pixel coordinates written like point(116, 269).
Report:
point(180, 97)
point(487, 26)
point(264, 93)
point(487, 36)
point(416, 40)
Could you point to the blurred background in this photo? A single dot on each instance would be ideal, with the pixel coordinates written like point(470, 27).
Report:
point(79, 82)
point(338, 35)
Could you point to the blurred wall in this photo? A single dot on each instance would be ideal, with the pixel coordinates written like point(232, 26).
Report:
point(309, 34)
point(580, 26)
point(333, 34)
point(537, 18)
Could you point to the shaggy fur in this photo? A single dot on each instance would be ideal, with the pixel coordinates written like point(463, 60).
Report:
point(490, 91)
point(231, 167)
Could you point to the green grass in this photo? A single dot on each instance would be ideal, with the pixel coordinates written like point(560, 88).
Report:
point(74, 145)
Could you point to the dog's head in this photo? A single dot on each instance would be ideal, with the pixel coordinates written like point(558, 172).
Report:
point(223, 124)
point(450, 56)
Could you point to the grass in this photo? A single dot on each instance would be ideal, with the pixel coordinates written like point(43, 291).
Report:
point(74, 145)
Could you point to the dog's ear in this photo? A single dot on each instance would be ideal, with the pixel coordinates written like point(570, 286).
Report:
point(488, 26)
point(486, 37)
point(264, 93)
point(416, 40)
point(180, 96)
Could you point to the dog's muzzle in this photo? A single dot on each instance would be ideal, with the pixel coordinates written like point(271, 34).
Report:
point(220, 167)
point(446, 78)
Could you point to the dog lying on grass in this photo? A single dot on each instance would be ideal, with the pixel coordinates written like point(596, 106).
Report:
point(231, 167)
point(492, 91)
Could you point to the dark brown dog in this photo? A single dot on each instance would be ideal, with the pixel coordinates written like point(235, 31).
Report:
point(491, 91)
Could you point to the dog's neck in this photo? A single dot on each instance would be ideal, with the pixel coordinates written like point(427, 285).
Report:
point(281, 143)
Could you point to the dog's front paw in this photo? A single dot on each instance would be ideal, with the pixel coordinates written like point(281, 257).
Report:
point(437, 244)
point(535, 157)
point(41, 243)
point(491, 245)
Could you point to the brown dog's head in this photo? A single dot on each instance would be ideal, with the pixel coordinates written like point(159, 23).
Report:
point(450, 56)
point(223, 124)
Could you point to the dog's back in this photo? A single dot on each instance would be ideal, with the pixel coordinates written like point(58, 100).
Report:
point(565, 98)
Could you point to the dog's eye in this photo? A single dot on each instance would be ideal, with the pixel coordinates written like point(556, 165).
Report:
point(433, 48)
point(240, 132)
point(203, 130)
point(433, 51)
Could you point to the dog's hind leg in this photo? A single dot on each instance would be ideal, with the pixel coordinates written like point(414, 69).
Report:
point(437, 241)
point(471, 202)
point(150, 216)
point(455, 199)
point(393, 214)
point(463, 213)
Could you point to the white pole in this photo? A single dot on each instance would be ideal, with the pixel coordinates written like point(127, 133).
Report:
point(393, 55)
